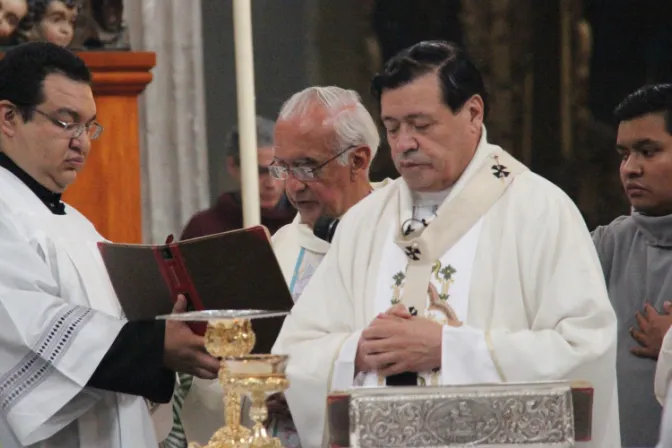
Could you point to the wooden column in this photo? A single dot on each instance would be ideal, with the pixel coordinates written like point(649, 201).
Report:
point(108, 190)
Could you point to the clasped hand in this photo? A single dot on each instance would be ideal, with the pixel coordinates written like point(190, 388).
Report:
point(184, 351)
point(651, 330)
point(397, 342)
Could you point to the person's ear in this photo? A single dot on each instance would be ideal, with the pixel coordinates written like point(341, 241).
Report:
point(232, 167)
point(9, 118)
point(475, 108)
point(360, 159)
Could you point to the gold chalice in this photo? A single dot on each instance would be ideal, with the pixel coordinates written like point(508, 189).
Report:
point(230, 337)
point(258, 376)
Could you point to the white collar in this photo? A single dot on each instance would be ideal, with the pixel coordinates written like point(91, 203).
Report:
point(307, 239)
point(429, 198)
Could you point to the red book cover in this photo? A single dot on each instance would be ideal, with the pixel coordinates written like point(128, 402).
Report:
point(233, 270)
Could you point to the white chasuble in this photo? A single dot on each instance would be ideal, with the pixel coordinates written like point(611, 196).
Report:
point(511, 261)
point(58, 317)
point(428, 268)
point(448, 294)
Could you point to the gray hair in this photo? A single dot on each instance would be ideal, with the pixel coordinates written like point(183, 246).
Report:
point(353, 125)
point(265, 128)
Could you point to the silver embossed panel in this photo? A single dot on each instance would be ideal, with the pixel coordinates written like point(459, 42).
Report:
point(523, 415)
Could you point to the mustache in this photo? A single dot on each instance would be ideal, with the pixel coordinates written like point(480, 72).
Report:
point(413, 156)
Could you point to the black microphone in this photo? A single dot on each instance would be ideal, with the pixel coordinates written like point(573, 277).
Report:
point(408, 224)
point(325, 227)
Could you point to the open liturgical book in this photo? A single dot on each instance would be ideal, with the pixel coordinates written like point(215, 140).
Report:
point(234, 270)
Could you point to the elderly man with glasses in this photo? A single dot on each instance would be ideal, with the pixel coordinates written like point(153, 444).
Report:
point(73, 371)
point(324, 143)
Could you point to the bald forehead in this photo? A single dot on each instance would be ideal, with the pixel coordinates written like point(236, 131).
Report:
point(69, 97)
point(314, 115)
point(314, 123)
point(303, 140)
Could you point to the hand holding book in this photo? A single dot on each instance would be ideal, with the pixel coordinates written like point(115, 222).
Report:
point(184, 351)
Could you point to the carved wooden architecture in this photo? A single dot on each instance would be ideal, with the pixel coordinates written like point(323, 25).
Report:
point(108, 190)
point(535, 59)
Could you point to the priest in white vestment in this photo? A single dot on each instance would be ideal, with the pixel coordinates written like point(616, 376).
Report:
point(469, 269)
point(73, 371)
point(324, 142)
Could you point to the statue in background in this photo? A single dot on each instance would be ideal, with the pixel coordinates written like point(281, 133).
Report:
point(12, 12)
point(78, 24)
point(50, 20)
point(101, 26)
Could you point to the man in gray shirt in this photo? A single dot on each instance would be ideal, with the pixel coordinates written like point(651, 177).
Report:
point(636, 256)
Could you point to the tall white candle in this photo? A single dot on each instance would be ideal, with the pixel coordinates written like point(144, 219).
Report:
point(242, 27)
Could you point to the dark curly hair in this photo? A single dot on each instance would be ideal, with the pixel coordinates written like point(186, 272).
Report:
point(38, 8)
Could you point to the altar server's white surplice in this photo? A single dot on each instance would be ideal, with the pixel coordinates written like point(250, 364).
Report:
point(58, 317)
point(299, 253)
point(520, 272)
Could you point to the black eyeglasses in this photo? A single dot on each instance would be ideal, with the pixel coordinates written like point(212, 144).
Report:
point(74, 130)
point(303, 173)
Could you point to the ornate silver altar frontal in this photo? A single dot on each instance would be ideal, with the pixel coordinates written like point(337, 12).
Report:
point(509, 415)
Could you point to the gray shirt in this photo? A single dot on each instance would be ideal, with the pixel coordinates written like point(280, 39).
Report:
point(636, 256)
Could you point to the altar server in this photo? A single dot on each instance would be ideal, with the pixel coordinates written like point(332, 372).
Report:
point(636, 255)
point(73, 371)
